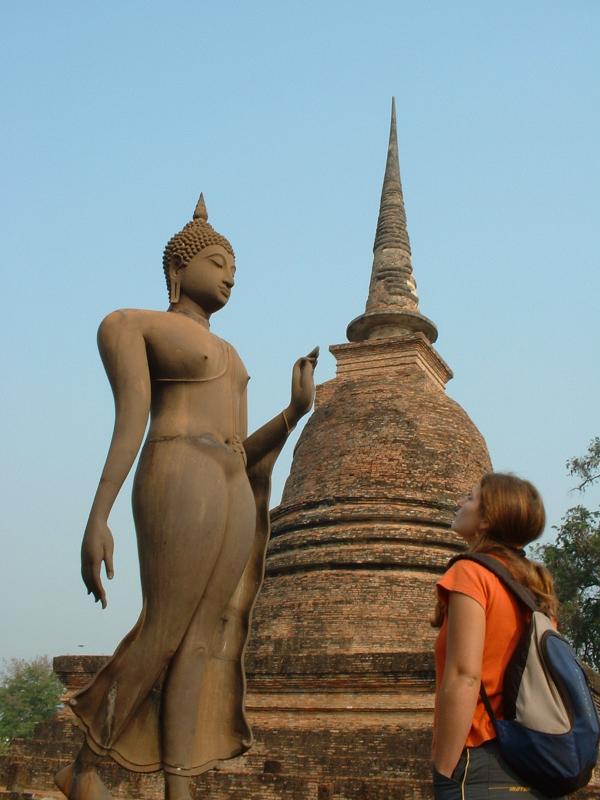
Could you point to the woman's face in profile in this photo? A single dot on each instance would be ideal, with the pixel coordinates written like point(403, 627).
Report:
point(468, 520)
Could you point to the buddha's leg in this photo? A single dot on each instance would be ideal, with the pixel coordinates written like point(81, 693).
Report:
point(177, 787)
point(170, 509)
point(185, 677)
point(80, 780)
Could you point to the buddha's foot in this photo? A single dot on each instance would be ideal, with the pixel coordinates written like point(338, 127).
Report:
point(81, 783)
point(177, 787)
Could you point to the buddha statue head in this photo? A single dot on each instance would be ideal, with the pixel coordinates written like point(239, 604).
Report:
point(191, 240)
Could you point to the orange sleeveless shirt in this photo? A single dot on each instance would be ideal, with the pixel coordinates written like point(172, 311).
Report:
point(505, 622)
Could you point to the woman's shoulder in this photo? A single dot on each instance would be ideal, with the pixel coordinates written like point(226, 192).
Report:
point(467, 566)
point(470, 578)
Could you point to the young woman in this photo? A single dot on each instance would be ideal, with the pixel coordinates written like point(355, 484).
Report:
point(480, 625)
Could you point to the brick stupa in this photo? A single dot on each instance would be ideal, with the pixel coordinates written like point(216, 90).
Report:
point(341, 655)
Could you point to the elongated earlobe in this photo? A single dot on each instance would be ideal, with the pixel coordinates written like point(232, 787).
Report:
point(174, 286)
point(175, 265)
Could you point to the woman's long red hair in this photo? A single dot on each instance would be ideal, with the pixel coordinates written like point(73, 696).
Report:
point(514, 512)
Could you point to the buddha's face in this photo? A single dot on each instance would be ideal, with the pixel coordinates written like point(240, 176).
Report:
point(208, 277)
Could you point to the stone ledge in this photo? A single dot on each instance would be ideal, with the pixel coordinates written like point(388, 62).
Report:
point(390, 356)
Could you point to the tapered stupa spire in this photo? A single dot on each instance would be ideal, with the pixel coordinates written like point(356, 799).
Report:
point(392, 307)
point(391, 225)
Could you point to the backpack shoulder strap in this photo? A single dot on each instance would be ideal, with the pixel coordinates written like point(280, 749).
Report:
point(524, 594)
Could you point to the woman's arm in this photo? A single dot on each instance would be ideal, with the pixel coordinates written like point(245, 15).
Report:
point(458, 692)
point(123, 351)
point(276, 431)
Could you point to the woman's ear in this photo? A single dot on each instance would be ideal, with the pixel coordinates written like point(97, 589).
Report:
point(484, 526)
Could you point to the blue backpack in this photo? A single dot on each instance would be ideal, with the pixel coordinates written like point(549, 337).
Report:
point(550, 731)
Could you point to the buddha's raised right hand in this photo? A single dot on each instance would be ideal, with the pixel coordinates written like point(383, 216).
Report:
point(97, 547)
point(303, 387)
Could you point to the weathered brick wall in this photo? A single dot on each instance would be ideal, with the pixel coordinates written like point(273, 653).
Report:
point(362, 531)
point(327, 752)
point(384, 758)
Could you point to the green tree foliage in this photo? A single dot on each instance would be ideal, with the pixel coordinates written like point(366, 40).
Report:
point(574, 561)
point(29, 693)
point(588, 467)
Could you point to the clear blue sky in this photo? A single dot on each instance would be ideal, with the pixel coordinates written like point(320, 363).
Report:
point(115, 115)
